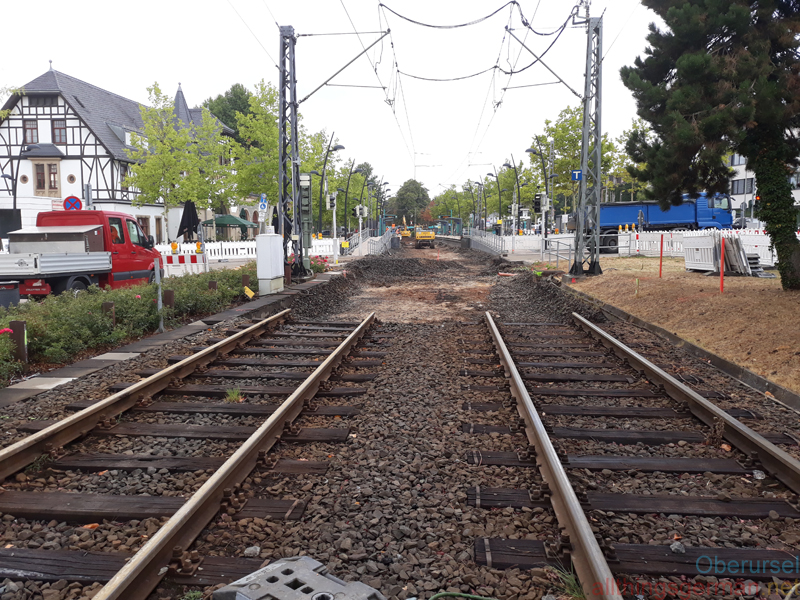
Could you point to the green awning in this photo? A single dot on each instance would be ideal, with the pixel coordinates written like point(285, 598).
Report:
point(230, 221)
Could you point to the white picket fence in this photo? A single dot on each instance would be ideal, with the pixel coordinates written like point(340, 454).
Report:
point(241, 250)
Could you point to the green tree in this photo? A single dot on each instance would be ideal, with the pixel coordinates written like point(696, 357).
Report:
point(226, 106)
point(212, 156)
point(256, 160)
point(412, 198)
point(722, 78)
point(164, 169)
point(9, 91)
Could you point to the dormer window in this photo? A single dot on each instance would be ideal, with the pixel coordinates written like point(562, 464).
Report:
point(43, 101)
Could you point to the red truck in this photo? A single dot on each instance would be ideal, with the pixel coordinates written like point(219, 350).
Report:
point(73, 249)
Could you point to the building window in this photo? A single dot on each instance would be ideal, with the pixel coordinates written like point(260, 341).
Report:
point(53, 172)
point(40, 177)
point(159, 238)
point(43, 101)
point(738, 159)
point(123, 173)
point(59, 131)
point(48, 179)
point(144, 223)
point(31, 132)
point(742, 186)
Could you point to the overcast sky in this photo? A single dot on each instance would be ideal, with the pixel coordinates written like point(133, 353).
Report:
point(446, 132)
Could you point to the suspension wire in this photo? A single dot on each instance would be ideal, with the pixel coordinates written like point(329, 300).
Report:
point(399, 85)
point(342, 33)
point(475, 22)
point(254, 35)
point(270, 13)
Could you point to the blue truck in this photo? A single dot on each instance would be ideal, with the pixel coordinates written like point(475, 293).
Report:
point(702, 212)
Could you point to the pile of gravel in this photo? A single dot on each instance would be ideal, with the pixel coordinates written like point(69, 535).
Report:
point(379, 269)
point(523, 299)
point(325, 299)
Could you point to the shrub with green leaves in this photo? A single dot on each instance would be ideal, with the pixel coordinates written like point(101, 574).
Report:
point(59, 327)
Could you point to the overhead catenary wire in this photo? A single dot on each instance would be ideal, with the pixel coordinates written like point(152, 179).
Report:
point(512, 3)
point(253, 34)
point(270, 14)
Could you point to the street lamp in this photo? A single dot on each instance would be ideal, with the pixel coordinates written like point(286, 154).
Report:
point(336, 148)
point(499, 197)
point(346, 215)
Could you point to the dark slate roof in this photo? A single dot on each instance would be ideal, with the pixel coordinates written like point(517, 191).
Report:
point(108, 115)
point(43, 151)
point(194, 115)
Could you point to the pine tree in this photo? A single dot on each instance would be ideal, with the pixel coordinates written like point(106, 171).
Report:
point(723, 78)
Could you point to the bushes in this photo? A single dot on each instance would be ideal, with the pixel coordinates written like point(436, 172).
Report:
point(59, 327)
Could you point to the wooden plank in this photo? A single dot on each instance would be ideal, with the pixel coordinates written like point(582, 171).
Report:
point(650, 464)
point(743, 508)
point(481, 497)
point(657, 560)
point(325, 323)
point(484, 388)
point(271, 508)
point(472, 373)
point(86, 508)
point(53, 565)
point(101, 462)
point(654, 437)
point(488, 457)
point(645, 559)
point(220, 391)
point(482, 361)
point(548, 345)
point(611, 393)
point(640, 412)
point(534, 324)
point(200, 432)
point(479, 428)
point(265, 362)
point(568, 365)
point(482, 407)
point(294, 334)
point(555, 353)
point(308, 435)
point(225, 409)
point(290, 328)
point(507, 554)
point(287, 466)
point(575, 377)
point(292, 375)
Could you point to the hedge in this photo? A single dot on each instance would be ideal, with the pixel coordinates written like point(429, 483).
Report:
point(59, 327)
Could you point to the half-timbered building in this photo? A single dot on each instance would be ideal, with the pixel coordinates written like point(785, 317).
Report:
point(62, 133)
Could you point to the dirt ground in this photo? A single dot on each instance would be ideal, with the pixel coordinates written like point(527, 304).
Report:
point(754, 323)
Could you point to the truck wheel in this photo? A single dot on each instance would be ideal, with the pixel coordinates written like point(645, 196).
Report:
point(78, 285)
point(152, 278)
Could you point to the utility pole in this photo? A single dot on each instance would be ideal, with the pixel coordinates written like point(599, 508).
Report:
point(289, 154)
point(587, 215)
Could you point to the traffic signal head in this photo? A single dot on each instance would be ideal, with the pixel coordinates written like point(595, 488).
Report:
point(355, 211)
point(758, 197)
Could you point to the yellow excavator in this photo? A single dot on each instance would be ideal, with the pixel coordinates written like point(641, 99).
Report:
point(405, 233)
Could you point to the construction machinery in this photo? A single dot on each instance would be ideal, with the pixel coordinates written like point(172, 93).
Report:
point(405, 232)
point(424, 237)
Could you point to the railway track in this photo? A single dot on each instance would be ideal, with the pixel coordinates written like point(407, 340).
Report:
point(301, 357)
point(630, 462)
point(646, 431)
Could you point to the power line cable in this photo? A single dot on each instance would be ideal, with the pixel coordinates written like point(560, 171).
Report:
point(270, 14)
point(475, 22)
point(253, 34)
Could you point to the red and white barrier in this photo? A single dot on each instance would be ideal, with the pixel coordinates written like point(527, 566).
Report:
point(180, 264)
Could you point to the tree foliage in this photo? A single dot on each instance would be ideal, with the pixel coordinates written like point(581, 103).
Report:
point(722, 77)
point(411, 199)
point(226, 106)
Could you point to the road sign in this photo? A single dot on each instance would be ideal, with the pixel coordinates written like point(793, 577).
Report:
point(262, 206)
point(262, 216)
point(577, 175)
point(72, 203)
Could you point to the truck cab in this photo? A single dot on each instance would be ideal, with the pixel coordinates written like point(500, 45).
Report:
point(71, 250)
point(713, 212)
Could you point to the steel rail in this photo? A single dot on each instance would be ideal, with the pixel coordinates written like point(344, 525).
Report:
point(587, 557)
point(20, 454)
point(142, 573)
point(776, 461)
